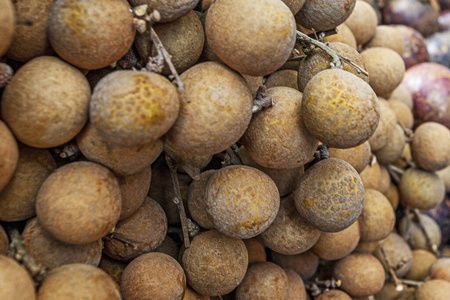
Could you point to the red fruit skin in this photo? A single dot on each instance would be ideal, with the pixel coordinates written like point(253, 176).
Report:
point(415, 48)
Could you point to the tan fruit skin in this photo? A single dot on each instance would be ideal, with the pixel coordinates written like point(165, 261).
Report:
point(169, 10)
point(397, 252)
point(440, 269)
point(282, 78)
point(15, 281)
point(7, 24)
point(388, 120)
point(422, 261)
point(9, 155)
point(362, 22)
point(196, 200)
point(435, 289)
point(418, 239)
point(389, 37)
point(358, 157)
point(344, 35)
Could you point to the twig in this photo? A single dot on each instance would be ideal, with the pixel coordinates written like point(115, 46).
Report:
point(235, 160)
point(322, 34)
point(422, 227)
point(323, 152)
point(123, 239)
point(337, 59)
point(178, 200)
point(261, 101)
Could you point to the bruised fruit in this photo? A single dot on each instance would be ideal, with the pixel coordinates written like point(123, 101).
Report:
point(330, 195)
point(9, 155)
point(15, 281)
point(79, 203)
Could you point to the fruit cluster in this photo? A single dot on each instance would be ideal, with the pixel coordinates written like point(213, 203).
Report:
point(227, 149)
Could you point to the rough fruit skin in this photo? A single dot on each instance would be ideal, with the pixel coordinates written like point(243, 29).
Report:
point(305, 264)
point(296, 289)
point(32, 106)
point(78, 282)
point(358, 157)
point(330, 195)
point(242, 201)
point(261, 38)
point(196, 200)
point(214, 263)
point(277, 137)
point(9, 155)
point(219, 112)
point(7, 24)
point(153, 276)
point(79, 203)
point(340, 109)
point(15, 281)
point(169, 10)
point(91, 35)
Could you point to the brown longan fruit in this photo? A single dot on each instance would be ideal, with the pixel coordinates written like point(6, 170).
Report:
point(9, 155)
point(190, 294)
point(18, 198)
point(360, 274)
point(263, 280)
point(7, 24)
point(429, 139)
point(362, 22)
point(386, 69)
point(435, 289)
point(318, 60)
point(444, 174)
point(322, 15)
point(242, 201)
point(330, 195)
point(31, 40)
point(417, 237)
point(168, 10)
point(369, 247)
point(344, 35)
point(15, 281)
point(133, 108)
point(387, 36)
point(253, 82)
point(196, 200)
point(377, 217)
point(122, 160)
point(214, 263)
point(91, 35)
point(289, 234)
point(141, 232)
point(304, 264)
point(296, 287)
point(370, 176)
point(294, 5)
point(257, 44)
point(388, 120)
point(286, 78)
point(51, 253)
point(388, 292)
point(112, 267)
point(78, 281)
point(333, 295)
point(358, 157)
point(421, 189)
point(4, 241)
point(393, 195)
point(421, 263)
point(186, 162)
point(403, 112)
point(32, 106)
point(397, 252)
point(169, 247)
point(405, 158)
point(440, 269)
point(220, 98)
point(337, 245)
point(394, 147)
point(255, 249)
point(277, 137)
point(153, 276)
point(402, 94)
point(340, 109)
point(385, 180)
point(183, 39)
point(79, 203)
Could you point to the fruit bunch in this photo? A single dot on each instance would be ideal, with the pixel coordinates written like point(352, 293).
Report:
point(227, 149)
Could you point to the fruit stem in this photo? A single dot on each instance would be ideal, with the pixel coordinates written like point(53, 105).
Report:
point(431, 245)
point(261, 100)
point(20, 253)
point(322, 34)
point(323, 152)
point(178, 200)
point(338, 59)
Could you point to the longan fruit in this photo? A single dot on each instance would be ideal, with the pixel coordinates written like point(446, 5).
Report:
point(330, 195)
point(322, 15)
point(333, 295)
point(9, 155)
point(18, 198)
point(190, 294)
point(256, 250)
point(402, 94)
point(393, 195)
point(405, 158)
point(196, 200)
point(7, 24)
point(398, 254)
point(4, 241)
point(340, 109)
point(358, 157)
point(440, 269)
point(369, 247)
point(444, 174)
point(133, 108)
point(318, 60)
point(78, 281)
point(304, 264)
point(294, 5)
point(141, 232)
point(263, 280)
point(277, 137)
point(286, 78)
point(32, 106)
point(220, 98)
point(344, 35)
point(370, 176)
point(51, 253)
point(183, 39)
point(388, 121)
point(261, 39)
point(421, 189)
point(169, 247)
point(360, 274)
point(112, 267)
point(15, 281)
point(403, 112)
point(79, 203)
point(168, 10)
point(387, 36)
point(388, 292)
point(296, 287)
point(417, 237)
point(385, 180)
point(429, 139)
point(289, 234)
point(31, 40)
point(214, 263)
point(186, 162)
point(253, 82)
point(153, 276)
point(386, 69)
point(435, 289)
point(362, 22)
point(122, 160)
point(421, 263)
point(337, 245)
point(242, 201)
point(91, 35)
point(394, 148)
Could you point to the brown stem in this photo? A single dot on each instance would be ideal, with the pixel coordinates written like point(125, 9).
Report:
point(323, 152)
point(261, 101)
point(394, 277)
point(337, 59)
point(235, 160)
point(178, 200)
point(430, 243)
point(322, 34)
point(124, 239)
